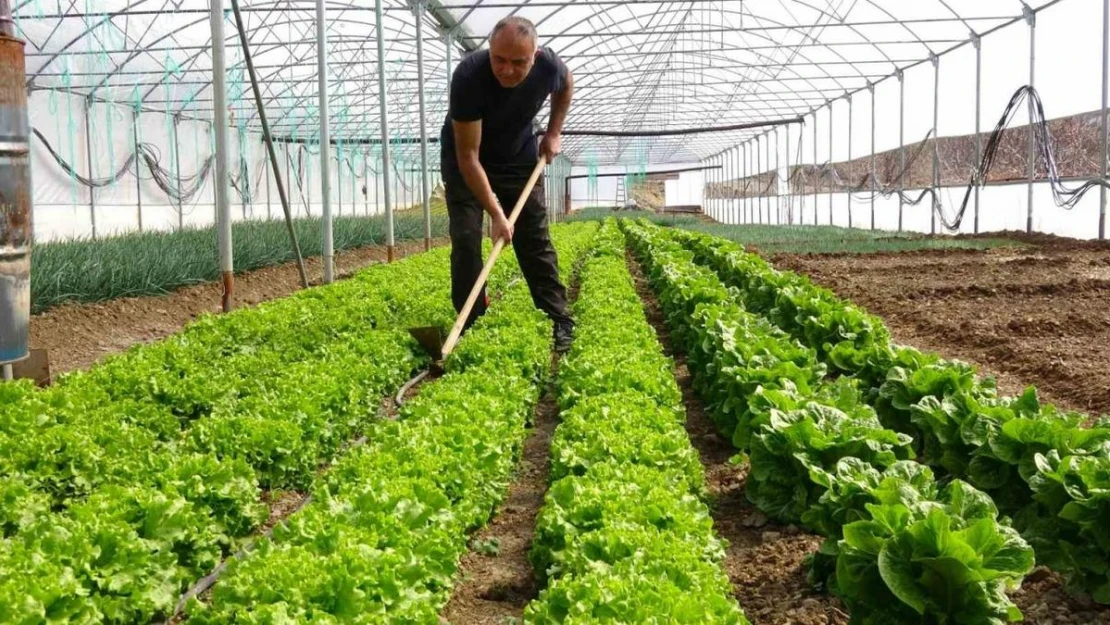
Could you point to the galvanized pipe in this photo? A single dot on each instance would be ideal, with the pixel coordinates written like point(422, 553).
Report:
point(902, 145)
point(832, 180)
point(16, 224)
point(223, 208)
point(325, 139)
point(851, 170)
point(379, 19)
point(744, 187)
point(978, 43)
point(1031, 17)
point(767, 147)
point(802, 194)
point(1103, 125)
point(936, 143)
point(89, 155)
point(759, 175)
point(816, 168)
point(138, 178)
point(874, 183)
point(177, 159)
point(7, 21)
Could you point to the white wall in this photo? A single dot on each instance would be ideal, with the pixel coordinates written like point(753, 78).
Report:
point(62, 206)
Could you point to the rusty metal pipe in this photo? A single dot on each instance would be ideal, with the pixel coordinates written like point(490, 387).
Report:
point(7, 22)
point(15, 197)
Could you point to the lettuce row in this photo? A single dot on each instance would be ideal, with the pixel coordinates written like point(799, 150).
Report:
point(898, 548)
point(1016, 449)
point(110, 506)
point(382, 538)
point(624, 536)
point(115, 497)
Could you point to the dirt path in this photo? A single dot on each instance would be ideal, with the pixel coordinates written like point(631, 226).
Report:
point(78, 335)
point(765, 561)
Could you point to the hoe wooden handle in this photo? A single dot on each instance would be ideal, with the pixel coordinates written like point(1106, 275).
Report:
point(498, 245)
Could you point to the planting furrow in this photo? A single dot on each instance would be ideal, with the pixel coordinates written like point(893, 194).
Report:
point(1039, 464)
point(495, 579)
point(899, 548)
point(623, 536)
point(113, 504)
point(383, 535)
point(764, 559)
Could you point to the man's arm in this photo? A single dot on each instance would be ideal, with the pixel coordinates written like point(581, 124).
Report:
point(552, 143)
point(468, 138)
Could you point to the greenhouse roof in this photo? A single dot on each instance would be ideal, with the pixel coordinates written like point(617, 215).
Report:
point(639, 65)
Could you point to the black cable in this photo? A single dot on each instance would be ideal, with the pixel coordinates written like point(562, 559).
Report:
point(88, 182)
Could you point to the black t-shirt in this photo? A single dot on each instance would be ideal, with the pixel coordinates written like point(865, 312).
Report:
point(507, 115)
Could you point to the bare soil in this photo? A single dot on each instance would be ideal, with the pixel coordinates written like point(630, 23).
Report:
point(765, 561)
point(78, 335)
point(1036, 315)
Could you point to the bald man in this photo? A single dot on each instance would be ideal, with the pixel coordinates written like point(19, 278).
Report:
point(489, 150)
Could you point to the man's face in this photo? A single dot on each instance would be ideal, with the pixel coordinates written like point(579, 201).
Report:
point(512, 57)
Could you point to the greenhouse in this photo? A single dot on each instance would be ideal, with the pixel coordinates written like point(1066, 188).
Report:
point(765, 312)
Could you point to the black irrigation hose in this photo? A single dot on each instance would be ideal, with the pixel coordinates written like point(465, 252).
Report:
point(1064, 197)
point(88, 182)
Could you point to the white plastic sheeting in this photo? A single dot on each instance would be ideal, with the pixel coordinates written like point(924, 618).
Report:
point(639, 65)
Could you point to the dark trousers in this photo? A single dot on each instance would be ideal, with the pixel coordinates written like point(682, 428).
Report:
point(531, 243)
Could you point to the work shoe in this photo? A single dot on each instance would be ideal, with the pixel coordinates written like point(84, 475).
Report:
point(564, 336)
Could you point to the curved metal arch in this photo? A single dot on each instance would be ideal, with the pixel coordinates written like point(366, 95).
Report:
point(203, 50)
point(60, 53)
point(264, 79)
point(301, 98)
point(733, 46)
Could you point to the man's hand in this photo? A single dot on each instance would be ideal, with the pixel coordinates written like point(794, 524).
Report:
point(502, 229)
point(551, 146)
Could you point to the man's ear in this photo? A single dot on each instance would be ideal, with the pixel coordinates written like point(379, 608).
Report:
point(536, 56)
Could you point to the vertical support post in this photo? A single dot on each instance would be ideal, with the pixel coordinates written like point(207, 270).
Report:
point(244, 175)
point(1103, 126)
point(778, 178)
point(220, 123)
point(801, 158)
point(269, 203)
point(832, 167)
point(744, 186)
point(138, 168)
point(325, 138)
point(1031, 18)
point(901, 146)
point(449, 44)
point(89, 160)
point(759, 176)
point(733, 175)
point(874, 182)
point(767, 147)
point(384, 112)
point(977, 41)
point(816, 168)
point(366, 179)
point(936, 145)
point(418, 13)
point(851, 170)
point(177, 158)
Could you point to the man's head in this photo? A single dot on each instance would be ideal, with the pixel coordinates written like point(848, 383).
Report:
point(512, 50)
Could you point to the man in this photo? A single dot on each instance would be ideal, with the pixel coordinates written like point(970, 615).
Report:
point(489, 151)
